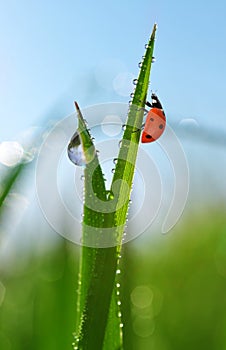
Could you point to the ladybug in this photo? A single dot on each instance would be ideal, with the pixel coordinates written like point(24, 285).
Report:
point(155, 121)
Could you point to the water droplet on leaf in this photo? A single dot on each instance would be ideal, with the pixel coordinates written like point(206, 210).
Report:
point(75, 151)
point(110, 195)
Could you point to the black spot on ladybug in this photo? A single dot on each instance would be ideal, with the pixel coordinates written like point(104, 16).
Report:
point(151, 119)
point(161, 126)
point(148, 137)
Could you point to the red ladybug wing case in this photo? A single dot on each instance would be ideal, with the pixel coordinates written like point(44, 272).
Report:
point(154, 126)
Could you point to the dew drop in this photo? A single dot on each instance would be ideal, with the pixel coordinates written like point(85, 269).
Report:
point(115, 160)
point(82, 177)
point(140, 64)
point(153, 59)
point(132, 94)
point(147, 46)
point(135, 81)
point(110, 195)
point(120, 143)
point(143, 57)
point(119, 302)
point(75, 151)
point(118, 285)
point(118, 271)
point(124, 127)
point(117, 293)
point(113, 170)
point(121, 325)
point(119, 314)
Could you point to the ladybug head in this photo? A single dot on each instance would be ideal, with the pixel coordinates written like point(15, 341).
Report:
point(155, 101)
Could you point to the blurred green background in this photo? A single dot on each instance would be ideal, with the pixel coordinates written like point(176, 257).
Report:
point(172, 287)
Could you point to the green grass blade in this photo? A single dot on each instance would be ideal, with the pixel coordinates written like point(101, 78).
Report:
point(125, 166)
point(104, 217)
point(95, 262)
point(113, 335)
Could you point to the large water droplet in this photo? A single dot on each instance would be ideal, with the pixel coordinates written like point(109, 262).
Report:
point(75, 150)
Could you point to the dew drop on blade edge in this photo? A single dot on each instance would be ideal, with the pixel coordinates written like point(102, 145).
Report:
point(75, 151)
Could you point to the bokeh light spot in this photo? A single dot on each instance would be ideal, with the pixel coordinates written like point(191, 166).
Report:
point(141, 296)
point(189, 124)
point(112, 125)
point(11, 153)
point(143, 326)
point(123, 83)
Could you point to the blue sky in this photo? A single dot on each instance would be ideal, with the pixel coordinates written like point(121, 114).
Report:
point(53, 52)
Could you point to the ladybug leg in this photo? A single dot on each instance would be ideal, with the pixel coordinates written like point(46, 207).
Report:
point(142, 127)
point(145, 110)
point(149, 104)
